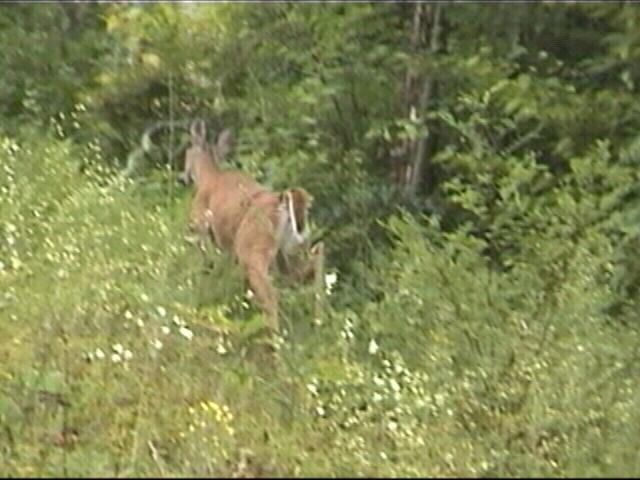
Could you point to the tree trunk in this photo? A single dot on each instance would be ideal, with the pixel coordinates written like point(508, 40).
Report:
point(410, 156)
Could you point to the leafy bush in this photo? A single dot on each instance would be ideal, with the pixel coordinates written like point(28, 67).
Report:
point(481, 323)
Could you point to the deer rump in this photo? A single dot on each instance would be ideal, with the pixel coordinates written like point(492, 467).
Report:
point(257, 225)
point(242, 216)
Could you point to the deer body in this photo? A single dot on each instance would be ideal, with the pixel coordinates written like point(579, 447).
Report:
point(242, 216)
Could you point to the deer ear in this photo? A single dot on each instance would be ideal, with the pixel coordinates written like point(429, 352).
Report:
point(224, 145)
point(198, 133)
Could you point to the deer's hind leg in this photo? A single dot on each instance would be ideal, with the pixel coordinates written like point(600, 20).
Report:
point(256, 248)
point(256, 268)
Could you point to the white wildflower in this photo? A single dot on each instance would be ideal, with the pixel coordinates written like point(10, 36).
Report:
point(373, 347)
point(186, 333)
point(166, 330)
point(320, 411)
point(144, 297)
point(140, 322)
point(378, 381)
point(99, 354)
point(161, 311)
point(377, 397)
point(312, 389)
point(127, 355)
point(249, 294)
point(118, 348)
point(157, 344)
point(128, 315)
point(220, 349)
point(177, 321)
point(330, 279)
point(393, 426)
point(116, 358)
point(394, 385)
point(347, 334)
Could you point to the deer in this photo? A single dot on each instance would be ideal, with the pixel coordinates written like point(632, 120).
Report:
point(243, 217)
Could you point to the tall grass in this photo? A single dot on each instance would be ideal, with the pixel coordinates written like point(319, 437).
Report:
point(121, 355)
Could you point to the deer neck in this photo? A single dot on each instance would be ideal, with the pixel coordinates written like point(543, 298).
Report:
point(206, 168)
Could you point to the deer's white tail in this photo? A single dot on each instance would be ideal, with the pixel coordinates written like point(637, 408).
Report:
point(293, 227)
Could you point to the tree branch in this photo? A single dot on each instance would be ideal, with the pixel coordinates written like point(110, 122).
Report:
point(526, 138)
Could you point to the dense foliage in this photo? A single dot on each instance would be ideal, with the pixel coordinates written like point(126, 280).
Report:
point(475, 175)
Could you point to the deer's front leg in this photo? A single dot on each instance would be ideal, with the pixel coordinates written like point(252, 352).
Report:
point(201, 223)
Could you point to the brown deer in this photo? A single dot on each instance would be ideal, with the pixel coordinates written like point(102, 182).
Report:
point(243, 217)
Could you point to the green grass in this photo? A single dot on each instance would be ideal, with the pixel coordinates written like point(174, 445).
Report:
point(103, 270)
point(120, 356)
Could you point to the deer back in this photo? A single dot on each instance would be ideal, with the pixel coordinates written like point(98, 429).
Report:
point(229, 196)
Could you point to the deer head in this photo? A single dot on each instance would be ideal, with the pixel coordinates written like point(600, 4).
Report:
point(201, 156)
